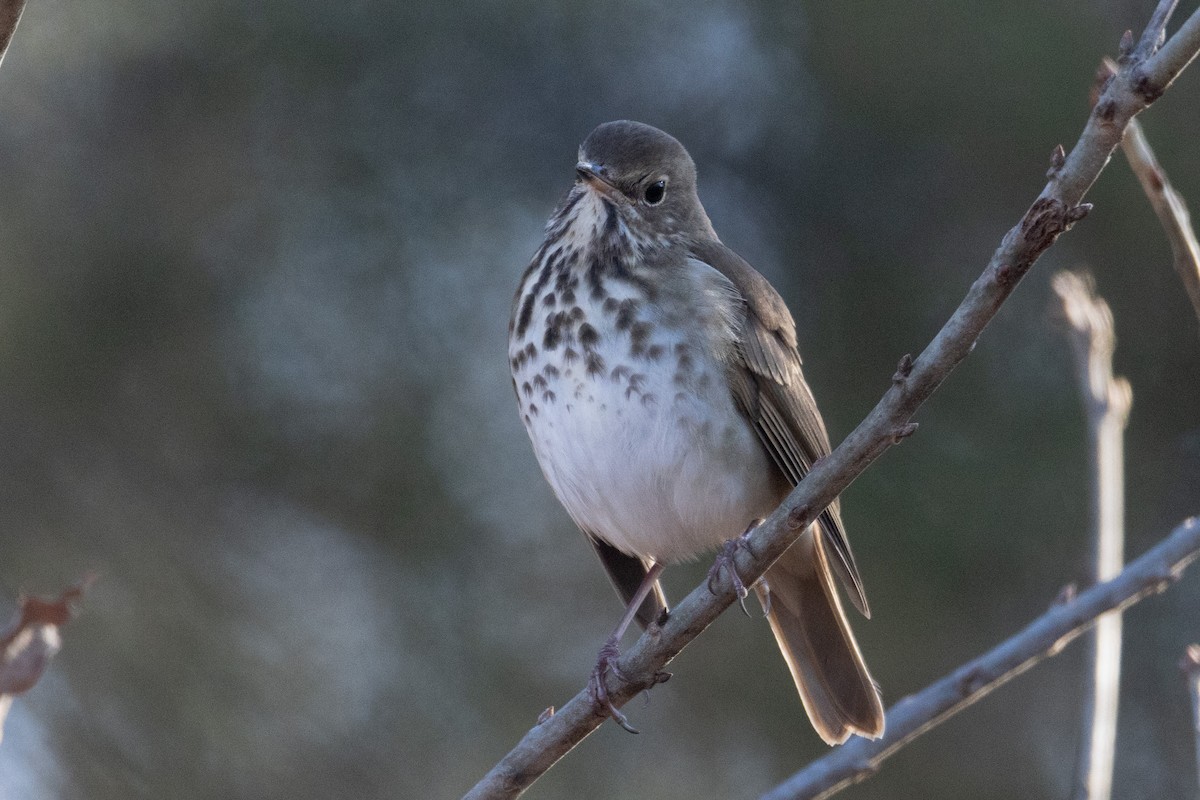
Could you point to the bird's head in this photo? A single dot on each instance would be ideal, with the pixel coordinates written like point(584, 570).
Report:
point(644, 172)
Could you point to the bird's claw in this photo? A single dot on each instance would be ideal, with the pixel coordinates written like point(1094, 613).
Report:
point(727, 560)
point(606, 661)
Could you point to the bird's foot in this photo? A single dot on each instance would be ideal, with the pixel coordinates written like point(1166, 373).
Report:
point(727, 560)
point(606, 661)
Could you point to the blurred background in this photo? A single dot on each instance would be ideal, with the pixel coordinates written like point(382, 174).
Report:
point(256, 263)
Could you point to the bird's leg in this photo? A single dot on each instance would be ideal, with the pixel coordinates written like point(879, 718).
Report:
point(727, 560)
point(606, 660)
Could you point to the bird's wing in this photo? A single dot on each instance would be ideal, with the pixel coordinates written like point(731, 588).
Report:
point(769, 388)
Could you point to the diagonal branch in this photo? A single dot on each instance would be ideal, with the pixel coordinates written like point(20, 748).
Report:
point(1156, 30)
point(1160, 69)
point(1106, 401)
point(1170, 207)
point(10, 15)
point(1055, 210)
point(1167, 203)
point(1044, 637)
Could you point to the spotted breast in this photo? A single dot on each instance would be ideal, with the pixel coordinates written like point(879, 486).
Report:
point(659, 379)
point(618, 352)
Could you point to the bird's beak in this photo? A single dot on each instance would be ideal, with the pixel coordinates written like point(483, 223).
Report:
point(595, 176)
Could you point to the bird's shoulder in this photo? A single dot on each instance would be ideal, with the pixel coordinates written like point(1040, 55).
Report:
point(763, 303)
point(768, 386)
point(767, 335)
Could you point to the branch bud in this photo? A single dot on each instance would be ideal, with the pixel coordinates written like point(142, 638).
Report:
point(1057, 158)
point(1125, 48)
point(904, 431)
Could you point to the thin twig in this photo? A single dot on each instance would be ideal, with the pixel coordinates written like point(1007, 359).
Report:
point(1171, 209)
point(1167, 203)
point(10, 15)
point(1106, 402)
point(1158, 71)
point(1156, 30)
point(1044, 637)
point(6, 701)
point(1056, 209)
point(1190, 664)
point(32, 639)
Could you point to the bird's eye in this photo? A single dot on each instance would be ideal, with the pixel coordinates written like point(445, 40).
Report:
point(655, 192)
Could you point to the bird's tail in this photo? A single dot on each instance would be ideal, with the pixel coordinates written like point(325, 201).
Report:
point(812, 631)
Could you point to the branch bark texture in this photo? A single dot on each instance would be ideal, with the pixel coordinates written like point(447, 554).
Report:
point(1144, 77)
point(1168, 204)
point(1106, 402)
point(10, 15)
point(1170, 207)
point(1046, 636)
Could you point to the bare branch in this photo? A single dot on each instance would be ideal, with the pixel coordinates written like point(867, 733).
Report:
point(1055, 210)
point(1106, 401)
point(1044, 637)
point(1167, 203)
point(31, 640)
point(10, 15)
point(1170, 207)
point(1190, 664)
point(1155, 74)
point(1156, 29)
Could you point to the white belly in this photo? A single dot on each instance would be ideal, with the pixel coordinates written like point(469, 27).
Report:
point(649, 454)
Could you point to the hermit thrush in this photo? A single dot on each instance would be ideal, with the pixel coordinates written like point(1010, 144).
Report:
point(658, 377)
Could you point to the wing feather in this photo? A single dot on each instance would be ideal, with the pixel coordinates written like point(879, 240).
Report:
point(769, 387)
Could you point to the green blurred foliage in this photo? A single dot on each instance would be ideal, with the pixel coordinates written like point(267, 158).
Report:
point(255, 270)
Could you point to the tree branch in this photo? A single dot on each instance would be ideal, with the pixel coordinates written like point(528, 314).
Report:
point(1055, 210)
point(1156, 30)
point(32, 639)
point(10, 15)
point(1190, 664)
point(1106, 401)
point(1167, 203)
point(1046, 636)
point(1160, 69)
